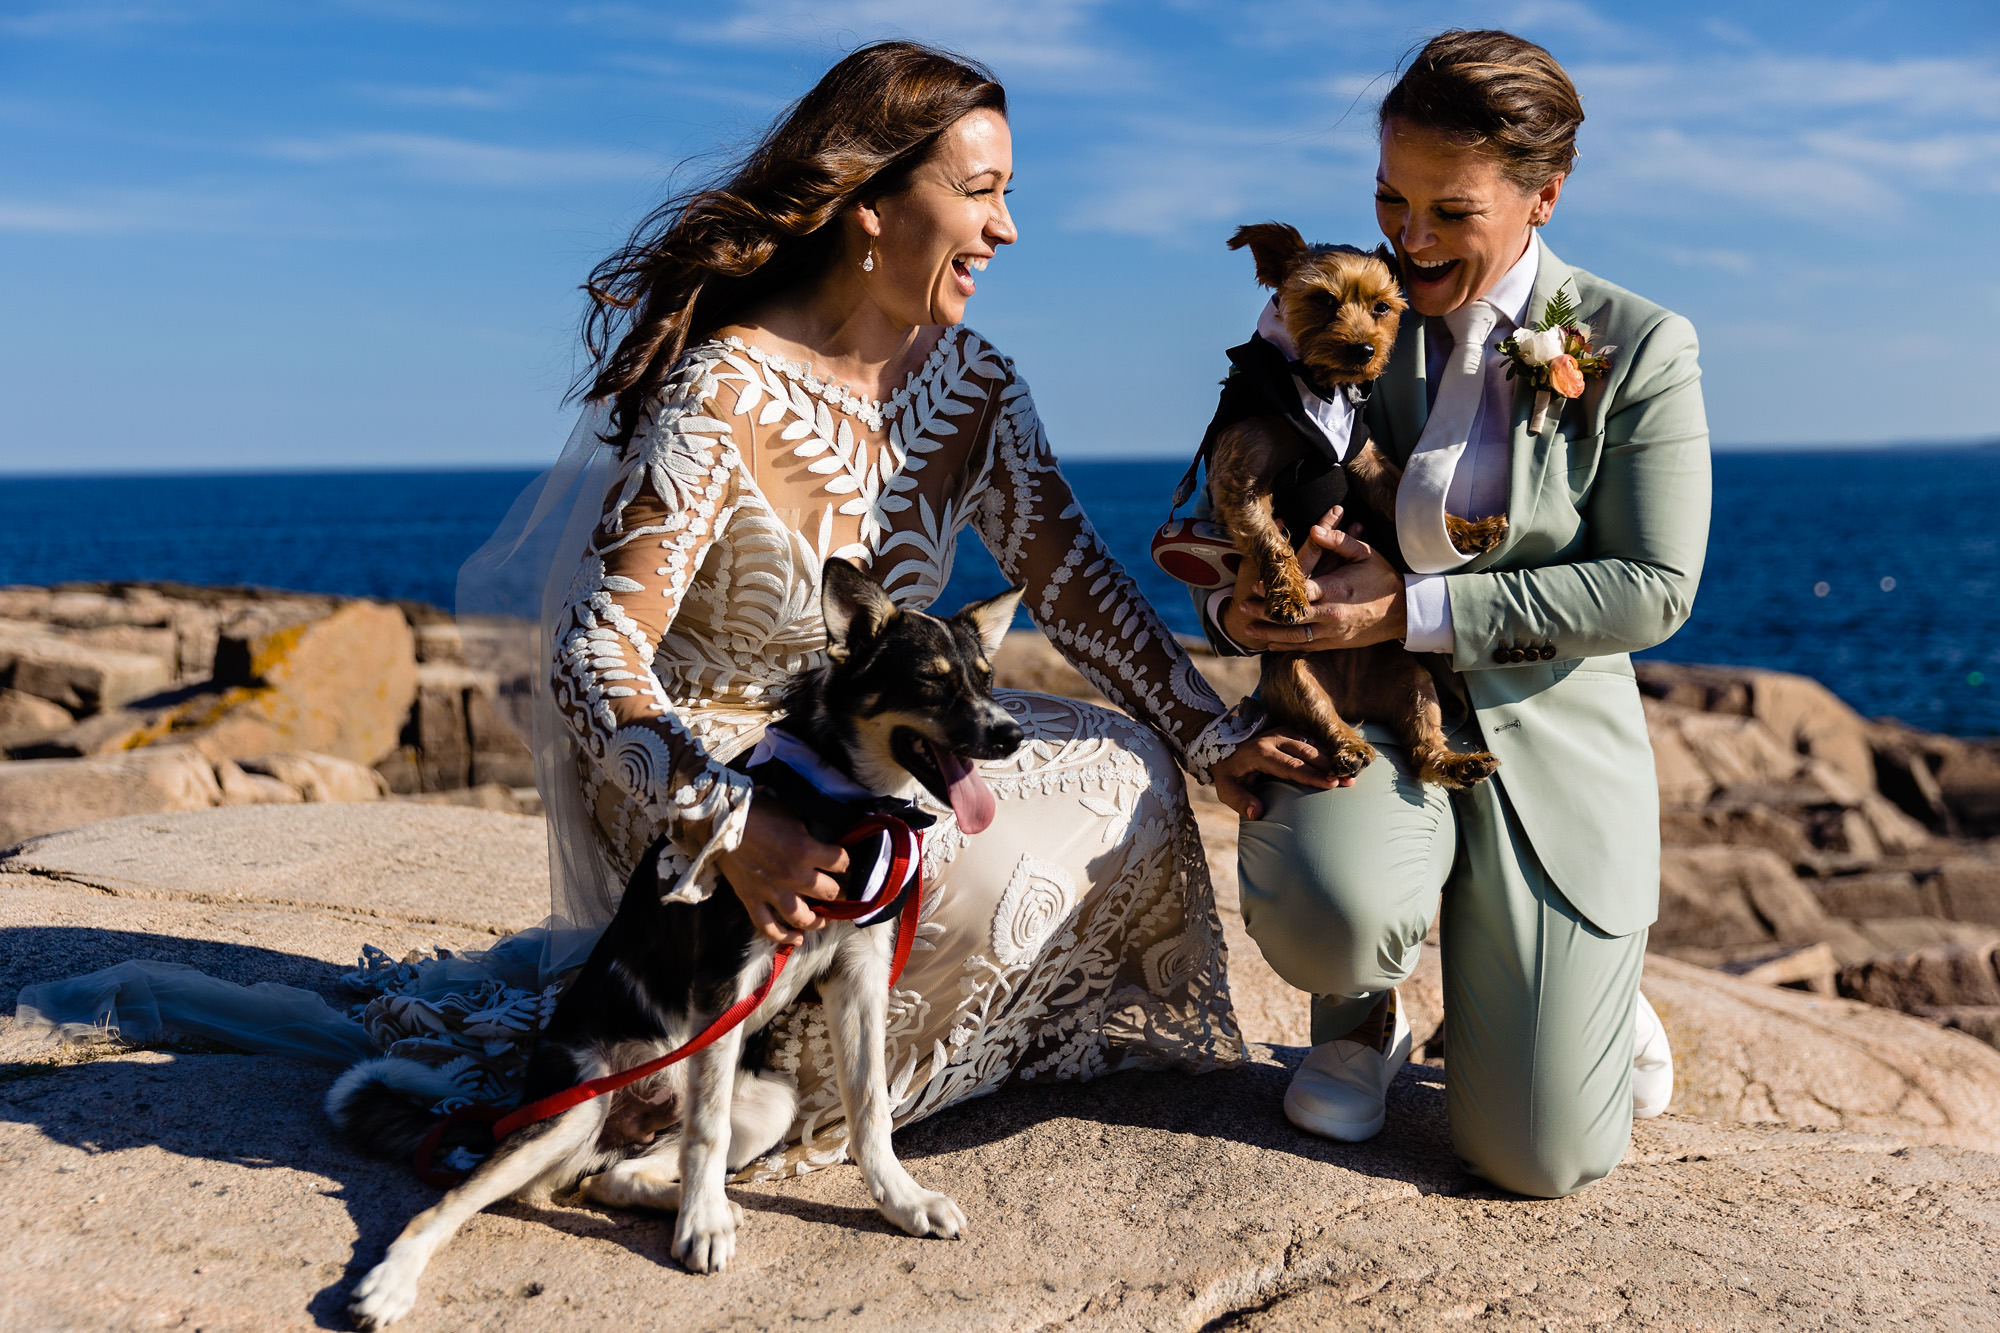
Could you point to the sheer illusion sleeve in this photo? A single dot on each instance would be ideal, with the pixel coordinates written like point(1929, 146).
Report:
point(669, 502)
point(1085, 602)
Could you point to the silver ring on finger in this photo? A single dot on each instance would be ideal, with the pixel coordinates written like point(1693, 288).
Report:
point(1309, 633)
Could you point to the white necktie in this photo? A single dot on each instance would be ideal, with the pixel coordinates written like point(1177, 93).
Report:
point(1427, 477)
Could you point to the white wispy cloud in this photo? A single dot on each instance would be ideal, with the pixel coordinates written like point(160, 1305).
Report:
point(1730, 88)
point(66, 219)
point(513, 90)
point(1728, 261)
point(700, 82)
point(204, 208)
point(1730, 34)
point(1578, 22)
point(1398, 27)
point(466, 161)
point(1845, 143)
point(463, 97)
point(1669, 169)
point(1172, 176)
point(1026, 40)
point(1951, 160)
point(80, 18)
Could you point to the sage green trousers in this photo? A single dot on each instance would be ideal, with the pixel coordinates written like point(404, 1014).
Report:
point(1339, 888)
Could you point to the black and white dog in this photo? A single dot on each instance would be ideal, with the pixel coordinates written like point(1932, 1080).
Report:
point(906, 700)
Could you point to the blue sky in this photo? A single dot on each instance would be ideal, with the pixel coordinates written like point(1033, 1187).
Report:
point(347, 235)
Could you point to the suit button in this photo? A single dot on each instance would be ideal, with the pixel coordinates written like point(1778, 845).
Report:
point(1517, 654)
point(1500, 655)
point(1548, 652)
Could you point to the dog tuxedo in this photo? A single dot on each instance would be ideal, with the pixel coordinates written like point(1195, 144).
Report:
point(829, 804)
point(1264, 382)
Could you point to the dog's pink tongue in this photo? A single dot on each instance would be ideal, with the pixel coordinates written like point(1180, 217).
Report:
point(971, 798)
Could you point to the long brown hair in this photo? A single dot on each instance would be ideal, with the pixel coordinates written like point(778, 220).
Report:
point(705, 255)
point(1497, 94)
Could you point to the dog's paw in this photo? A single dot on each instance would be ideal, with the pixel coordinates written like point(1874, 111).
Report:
point(1475, 536)
point(1455, 772)
point(923, 1212)
point(1289, 601)
point(384, 1296)
point(1348, 760)
point(705, 1236)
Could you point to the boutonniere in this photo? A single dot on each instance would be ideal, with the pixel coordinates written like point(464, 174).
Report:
point(1555, 356)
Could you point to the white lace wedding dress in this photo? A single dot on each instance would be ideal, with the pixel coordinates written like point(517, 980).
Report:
point(1076, 935)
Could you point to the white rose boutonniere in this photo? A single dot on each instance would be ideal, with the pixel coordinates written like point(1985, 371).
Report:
point(1540, 346)
point(1555, 356)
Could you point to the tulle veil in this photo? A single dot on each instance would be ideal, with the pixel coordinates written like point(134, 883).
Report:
point(509, 594)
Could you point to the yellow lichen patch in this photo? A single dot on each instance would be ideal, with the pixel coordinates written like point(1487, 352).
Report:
point(271, 650)
point(194, 714)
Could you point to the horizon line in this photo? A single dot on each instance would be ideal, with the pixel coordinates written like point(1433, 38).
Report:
point(418, 469)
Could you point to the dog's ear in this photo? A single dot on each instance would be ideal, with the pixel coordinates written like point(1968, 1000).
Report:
point(991, 619)
point(1276, 247)
point(1387, 256)
point(853, 606)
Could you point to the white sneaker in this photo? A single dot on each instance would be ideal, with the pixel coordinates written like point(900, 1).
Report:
point(1339, 1088)
point(1652, 1063)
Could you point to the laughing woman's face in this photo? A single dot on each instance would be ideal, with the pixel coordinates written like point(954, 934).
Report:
point(934, 238)
point(1456, 221)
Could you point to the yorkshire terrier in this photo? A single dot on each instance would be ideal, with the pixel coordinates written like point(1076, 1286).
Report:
point(1342, 308)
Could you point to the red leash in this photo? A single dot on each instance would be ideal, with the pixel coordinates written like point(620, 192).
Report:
point(903, 861)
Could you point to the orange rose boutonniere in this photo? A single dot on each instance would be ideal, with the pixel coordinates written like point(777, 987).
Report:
point(1555, 356)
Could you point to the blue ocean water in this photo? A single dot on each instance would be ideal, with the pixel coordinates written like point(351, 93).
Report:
point(1877, 572)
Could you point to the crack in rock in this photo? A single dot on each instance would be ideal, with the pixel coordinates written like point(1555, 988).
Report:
point(32, 871)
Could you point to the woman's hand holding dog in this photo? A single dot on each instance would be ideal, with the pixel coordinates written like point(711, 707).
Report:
point(1358, 601)
point(779, 866)
point(1277, 754)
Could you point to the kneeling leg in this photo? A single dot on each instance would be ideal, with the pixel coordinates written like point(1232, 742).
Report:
point(1338, 887)
point(1538, 1016)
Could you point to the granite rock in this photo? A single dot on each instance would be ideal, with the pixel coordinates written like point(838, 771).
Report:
point(1937, 975)
point(341, 684)
point(40, 795)
point(183, 1187)
point(1802, 715)
point(26, 719)
point(319, 777)
point(81, 677)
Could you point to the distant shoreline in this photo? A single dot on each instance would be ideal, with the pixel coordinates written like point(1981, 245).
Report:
point(532, 469)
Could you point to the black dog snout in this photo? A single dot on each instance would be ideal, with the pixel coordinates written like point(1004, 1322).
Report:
point(998, 741)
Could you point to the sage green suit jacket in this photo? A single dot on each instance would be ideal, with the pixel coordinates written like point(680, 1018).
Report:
point(1607, 526)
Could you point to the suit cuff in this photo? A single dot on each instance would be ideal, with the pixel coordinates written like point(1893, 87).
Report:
point(1427, 614)
point(1213, 611)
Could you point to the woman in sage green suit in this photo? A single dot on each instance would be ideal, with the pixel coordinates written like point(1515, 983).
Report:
point(1547, 875)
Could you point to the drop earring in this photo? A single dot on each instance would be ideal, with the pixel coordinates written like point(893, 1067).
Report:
point(868, 263)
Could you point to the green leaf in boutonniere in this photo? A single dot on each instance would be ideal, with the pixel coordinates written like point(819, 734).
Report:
point(1561, 310)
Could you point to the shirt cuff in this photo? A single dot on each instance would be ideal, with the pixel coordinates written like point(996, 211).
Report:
point(1214, 609)
point(1427, 614)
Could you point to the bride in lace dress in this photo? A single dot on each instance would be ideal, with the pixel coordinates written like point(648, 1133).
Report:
point(1077, 934)
point(781, 376)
